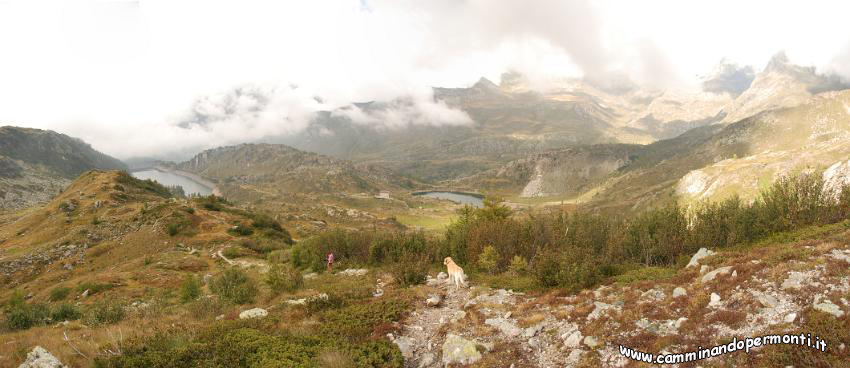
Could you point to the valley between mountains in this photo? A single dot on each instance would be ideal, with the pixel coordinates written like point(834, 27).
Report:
point(662, 221)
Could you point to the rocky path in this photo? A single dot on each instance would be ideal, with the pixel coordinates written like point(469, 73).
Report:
point(717, 297)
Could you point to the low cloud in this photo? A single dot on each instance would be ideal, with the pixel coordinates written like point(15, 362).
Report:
point(404, 112)
point(729, 78)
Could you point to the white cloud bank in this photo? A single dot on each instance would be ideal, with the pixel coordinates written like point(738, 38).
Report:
point(157, 77)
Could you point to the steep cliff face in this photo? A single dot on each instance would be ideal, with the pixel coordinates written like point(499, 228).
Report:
point(35, 164)
point(566, 172)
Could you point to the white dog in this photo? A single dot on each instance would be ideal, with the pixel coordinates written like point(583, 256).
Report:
point(455, 272)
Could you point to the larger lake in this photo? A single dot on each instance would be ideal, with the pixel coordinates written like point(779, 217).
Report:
point(462, 198)
point(170, 179)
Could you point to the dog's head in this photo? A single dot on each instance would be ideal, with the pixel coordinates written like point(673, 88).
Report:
point(448, 261)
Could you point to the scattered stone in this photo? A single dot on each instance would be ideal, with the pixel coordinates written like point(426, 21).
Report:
point(573, 340)
point(574, 358)
point(507, 315)
point(704, 269)
point(678, 323)
point(428, 359)
point(457, 350)
point(840, 255)
point(442, 276)
point(253, 313)
point(378, 293)
point(713, 274)
point(532, 331)
point(600, 308)
point(354, 272)
point(433, 300)
point(311, 275)
point(39, 357)
point(790, 317)
point(679, 291)
point(702, 253)
point(85, 293)
point(207, 278)
point(715, 300)
point(829, 307)
point(794, 281)
point(457, 316)
point(766, 300)
point(504, 325)
point(735, 273)
point(405, 345)
point(591, 342)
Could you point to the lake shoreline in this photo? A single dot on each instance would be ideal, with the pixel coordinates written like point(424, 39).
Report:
point(189, 176)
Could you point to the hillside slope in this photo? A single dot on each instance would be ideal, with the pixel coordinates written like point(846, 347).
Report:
point(710, 162)
point(793, 287)
point(35, 165)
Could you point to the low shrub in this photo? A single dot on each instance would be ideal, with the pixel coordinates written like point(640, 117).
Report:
point(59, 293)
point(234, 284)
point(518, 266)
point(488, 260)
point(240, 230)
point(65, 312)
point(190, 288)
point(283, 277)
point(104, 313)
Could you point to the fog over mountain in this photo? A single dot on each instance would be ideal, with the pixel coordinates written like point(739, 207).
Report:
point(167, 79)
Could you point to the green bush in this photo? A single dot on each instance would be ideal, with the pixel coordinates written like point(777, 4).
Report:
point(519, 266)
point(488, 260)
point(104, 313)
point(262, 245)
point(21, 315)
point(410, 272)
point(234, 284)
point(278, 256)
point(65, 312)
point(59, 293)
point(190, 288)
point(283, 277)
point(240, 230)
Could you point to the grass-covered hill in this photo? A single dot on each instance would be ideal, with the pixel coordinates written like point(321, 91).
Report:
point(35, 164)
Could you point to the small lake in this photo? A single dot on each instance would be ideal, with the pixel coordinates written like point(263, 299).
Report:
point(462, 198)
point(170, 179)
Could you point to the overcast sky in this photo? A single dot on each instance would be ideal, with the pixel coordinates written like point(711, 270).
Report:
point(122, 75)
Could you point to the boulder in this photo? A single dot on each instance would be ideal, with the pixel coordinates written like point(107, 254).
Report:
point(591, 342)
point(354, 272)
point(679, 291)
point(600, 308)
point(253, 313)
point(766, 300)
point(713, 274)
point(433, 300)
point(715, 300)
point(532, 331)
point(507, 327)
point(790, 317)
point(794, 281)
point(405, 345)
point(573, 340)
point(829, 307)
point(457, 350)
point(39, 357)
point(699, 255)
point(427, 360)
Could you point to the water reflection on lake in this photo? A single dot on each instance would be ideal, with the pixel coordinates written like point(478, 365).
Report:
point(170, 179)
point(462, 198)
